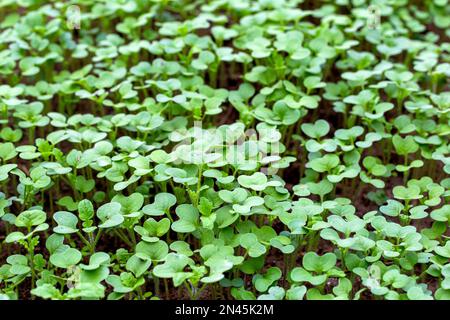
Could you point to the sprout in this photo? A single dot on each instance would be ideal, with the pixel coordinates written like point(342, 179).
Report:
point(263, 150)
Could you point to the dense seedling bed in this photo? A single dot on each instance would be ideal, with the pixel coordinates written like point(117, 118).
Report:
point(224, 149)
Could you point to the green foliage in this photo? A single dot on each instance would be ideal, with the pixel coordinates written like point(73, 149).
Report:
point(225, 150)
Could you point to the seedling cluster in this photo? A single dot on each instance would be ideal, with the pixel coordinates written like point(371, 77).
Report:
point(222, 149)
